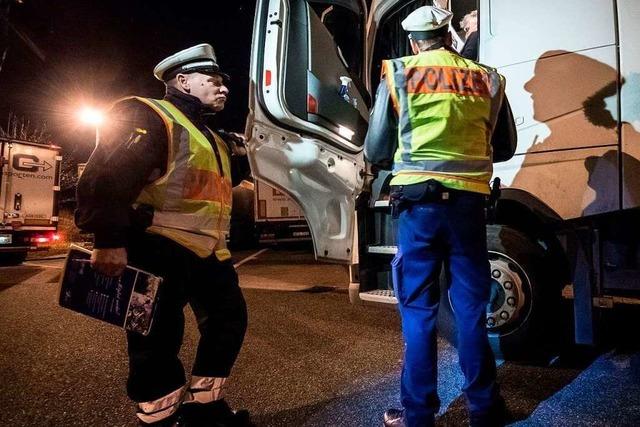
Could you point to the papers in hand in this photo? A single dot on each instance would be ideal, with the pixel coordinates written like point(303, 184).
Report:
point(128, 301)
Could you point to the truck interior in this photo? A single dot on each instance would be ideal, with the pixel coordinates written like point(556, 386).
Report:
point(327, 36)
point(391, 39)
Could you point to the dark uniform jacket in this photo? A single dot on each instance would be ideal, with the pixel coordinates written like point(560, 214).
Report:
point(470, 48)
point(126, 160)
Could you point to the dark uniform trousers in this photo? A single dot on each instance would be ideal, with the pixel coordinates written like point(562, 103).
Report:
point(434, 231)
point(211, 288)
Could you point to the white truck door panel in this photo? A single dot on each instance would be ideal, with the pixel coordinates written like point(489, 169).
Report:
point(516, 31)
point(560, 61)
point(304, 138)
point(628, 20)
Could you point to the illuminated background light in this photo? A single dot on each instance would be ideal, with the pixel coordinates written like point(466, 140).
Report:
point(91, 116)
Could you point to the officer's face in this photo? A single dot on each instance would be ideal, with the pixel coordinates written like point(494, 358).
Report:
point(209, 89)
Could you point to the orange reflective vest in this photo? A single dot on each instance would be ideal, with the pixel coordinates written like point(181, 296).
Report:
point(192, 200)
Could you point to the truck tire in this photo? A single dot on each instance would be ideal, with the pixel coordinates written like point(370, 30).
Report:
point(13, 258)
point(524, 319)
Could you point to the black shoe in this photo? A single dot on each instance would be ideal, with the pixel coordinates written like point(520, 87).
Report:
point(213, 414)
point(393, 418)
point(496, 416)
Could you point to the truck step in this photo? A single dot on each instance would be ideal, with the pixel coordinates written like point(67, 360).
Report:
point(381, 249)
point(605, 301)
point(384, 296)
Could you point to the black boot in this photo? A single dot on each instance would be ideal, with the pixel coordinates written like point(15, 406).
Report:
point(496, 416)
point(393, 418)
point(213, 414)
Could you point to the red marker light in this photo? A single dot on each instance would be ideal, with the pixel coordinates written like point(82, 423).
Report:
point(312, 104)
point(267, 78)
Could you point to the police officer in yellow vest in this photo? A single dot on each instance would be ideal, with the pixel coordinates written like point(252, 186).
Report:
point(156, 193)
point(441, 120)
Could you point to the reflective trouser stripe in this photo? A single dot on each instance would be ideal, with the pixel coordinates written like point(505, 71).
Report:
point(159, 409)
point(205, 389)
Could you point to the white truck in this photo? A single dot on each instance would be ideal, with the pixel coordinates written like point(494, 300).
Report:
point(565, 236)
point(277, 217)
point(263, 214)
point(29, 186)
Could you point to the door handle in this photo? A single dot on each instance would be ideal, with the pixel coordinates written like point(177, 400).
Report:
point(17, 201)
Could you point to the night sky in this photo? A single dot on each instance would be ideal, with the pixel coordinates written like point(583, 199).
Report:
point(98, 51)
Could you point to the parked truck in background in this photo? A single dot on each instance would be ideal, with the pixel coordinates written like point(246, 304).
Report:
point(277, 217)
point(29, 187)
point(263, 214)
point(564, 240)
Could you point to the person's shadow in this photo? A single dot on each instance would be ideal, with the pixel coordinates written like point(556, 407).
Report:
point(575, 97)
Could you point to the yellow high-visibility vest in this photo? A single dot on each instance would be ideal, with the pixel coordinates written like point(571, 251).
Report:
point(447, 109)
point(192, 200)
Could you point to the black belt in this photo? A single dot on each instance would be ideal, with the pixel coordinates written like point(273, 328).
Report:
point(423, 192)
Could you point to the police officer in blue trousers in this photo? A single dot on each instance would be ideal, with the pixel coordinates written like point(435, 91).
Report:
point(441, 120)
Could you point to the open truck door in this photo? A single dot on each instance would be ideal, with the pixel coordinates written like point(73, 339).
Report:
point(305, 134)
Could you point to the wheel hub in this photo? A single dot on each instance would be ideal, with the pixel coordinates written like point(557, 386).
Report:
point(507, 295)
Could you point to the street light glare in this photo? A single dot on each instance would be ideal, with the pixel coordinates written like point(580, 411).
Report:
point(91, 116)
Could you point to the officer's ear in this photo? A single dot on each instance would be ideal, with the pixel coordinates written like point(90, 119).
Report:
point(182, 80)
point(414, 46)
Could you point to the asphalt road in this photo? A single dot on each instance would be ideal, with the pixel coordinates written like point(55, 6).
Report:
point(309, 358)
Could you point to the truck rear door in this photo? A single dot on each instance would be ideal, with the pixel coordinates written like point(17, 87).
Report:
point(30, 182)
point(304, 137)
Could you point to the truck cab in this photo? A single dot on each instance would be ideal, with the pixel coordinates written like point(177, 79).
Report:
point(565, 230)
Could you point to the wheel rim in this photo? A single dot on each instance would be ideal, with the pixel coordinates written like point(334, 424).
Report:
point(510, 300)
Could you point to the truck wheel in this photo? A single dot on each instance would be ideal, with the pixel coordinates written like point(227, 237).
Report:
point(243, 236)
point(13, 258)
point(524, 313)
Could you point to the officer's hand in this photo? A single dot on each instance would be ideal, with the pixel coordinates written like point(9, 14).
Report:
point(110, 262)
point(238, 146)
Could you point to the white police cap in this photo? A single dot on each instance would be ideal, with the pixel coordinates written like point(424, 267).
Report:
point(426, 22)
point(200, 58)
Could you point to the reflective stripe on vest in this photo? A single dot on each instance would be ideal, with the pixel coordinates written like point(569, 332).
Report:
point(447, 109)
point(192, 201)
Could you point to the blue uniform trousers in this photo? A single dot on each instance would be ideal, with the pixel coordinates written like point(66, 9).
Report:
point(449, 233)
